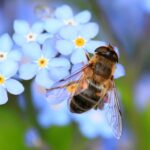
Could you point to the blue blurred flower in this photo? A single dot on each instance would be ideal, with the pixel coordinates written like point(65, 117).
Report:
point(32, 138)
point(49, 115)
point(24, 33)
point(142, 92)
point(7, 83)
point(63, 16)
point(7, 53)
point(93, 124)
point(75, 41)
point(43, 64)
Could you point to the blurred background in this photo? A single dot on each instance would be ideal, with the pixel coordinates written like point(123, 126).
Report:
point(27, 124)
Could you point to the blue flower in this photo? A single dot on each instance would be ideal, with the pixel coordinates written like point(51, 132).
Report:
point(49, 115)
point(92, 124)
point(75, 42)
point(63, 16)
point(43, 64)
point(7, 53)
point(24, 33)
point(7, 83)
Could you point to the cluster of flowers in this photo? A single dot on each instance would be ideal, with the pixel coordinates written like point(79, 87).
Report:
point(46, 51)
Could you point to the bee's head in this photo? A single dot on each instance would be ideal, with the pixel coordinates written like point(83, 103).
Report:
point(107, 52)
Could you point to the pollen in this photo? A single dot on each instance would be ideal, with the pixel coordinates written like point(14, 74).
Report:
point(72, 88)
point(2, 79)
point(3, 56)
point(42, 62)
point(79, 42)
point(31, 37)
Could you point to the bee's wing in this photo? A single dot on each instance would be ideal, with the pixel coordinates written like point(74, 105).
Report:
point(59, 92)
point(113, 112)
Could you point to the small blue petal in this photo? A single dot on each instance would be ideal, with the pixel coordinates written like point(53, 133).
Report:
point(21, 27)
point(59, 62)
point(64, 47)
point(19, 39)
point(120, 71)
point(58, 74)
point(78, 56)
point(42, 37)
point(92, 45)
point(89, 30)
point(52, 25)
point(3, 95)
point(28, 71)
point(18, 89)
point(37, 27)
point(15, 55)
point(8, 68)
point(48, 48)
point(68, 32)
point(5, 43)
point(32, 50)
point(64, 12)
point(83, 17)
point(46, 81)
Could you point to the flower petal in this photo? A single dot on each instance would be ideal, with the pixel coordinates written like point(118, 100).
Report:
point(92, 45)
point(3, 95)
point(5, 43)
point(58, 74)
point(28, 71)
point(64, 12)
point(68, 32)
point(48, 49)
point(52, 25)
point(59, 62)
point(89, 30)
point(83, 17)
point(19, 39)
point(46, 81)
point(42, 37)
point(8, 68)
point(120, 71)
point(64, 47)
point(78, 56)
point(18, 89)
point(21, 27)
point(37, 27)
point(15, 55)
point(32, 50)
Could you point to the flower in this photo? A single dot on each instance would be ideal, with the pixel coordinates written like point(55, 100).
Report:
point(7, 83)
point(63, 16)
point(49, 115)
point(25, 34)
point(92, 124)
point(75, 42)
point(7, 53)
point(43, 64)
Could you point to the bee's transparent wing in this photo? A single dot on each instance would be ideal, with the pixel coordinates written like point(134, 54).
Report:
point(113, 112)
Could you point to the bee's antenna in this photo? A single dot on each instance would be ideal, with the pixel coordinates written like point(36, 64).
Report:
point(87, 55)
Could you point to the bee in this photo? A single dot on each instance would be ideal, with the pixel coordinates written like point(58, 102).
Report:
point(92, 86)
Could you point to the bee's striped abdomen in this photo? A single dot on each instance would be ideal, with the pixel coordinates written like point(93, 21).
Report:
point(85, 100)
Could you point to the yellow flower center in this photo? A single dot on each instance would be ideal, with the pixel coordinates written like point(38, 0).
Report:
point(79, 42)
point(31, 37)
point(2, 56)
point(42, 62)
point(70, 22)
point(72, 88)
point(2, 79)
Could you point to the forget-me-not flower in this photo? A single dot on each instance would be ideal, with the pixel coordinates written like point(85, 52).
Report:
point(7, 83)
point(43, 64)
point(74, 42)
point(63, 16)
point(24, 33)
